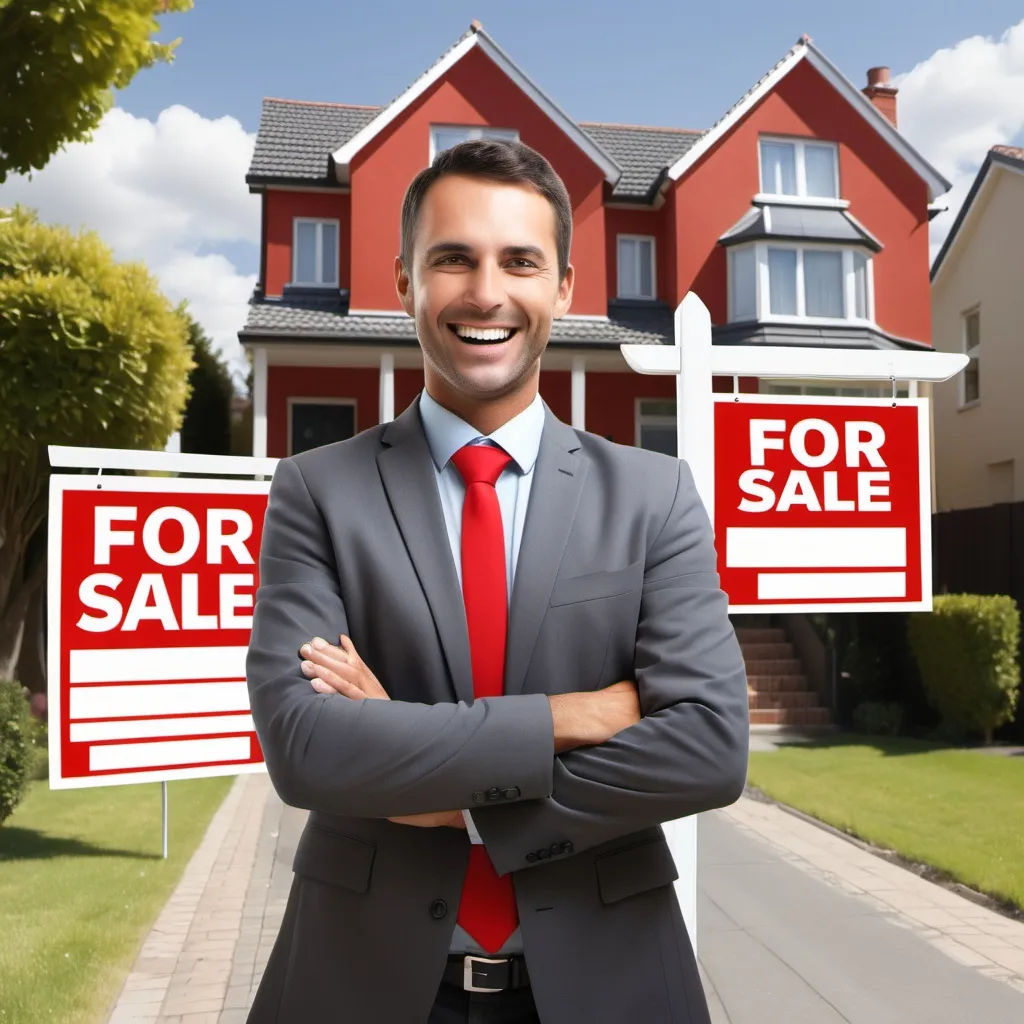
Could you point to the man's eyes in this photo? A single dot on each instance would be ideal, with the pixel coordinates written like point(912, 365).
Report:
point(517, 262)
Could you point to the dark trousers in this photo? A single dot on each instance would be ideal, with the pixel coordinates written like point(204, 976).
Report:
point(456, 1006)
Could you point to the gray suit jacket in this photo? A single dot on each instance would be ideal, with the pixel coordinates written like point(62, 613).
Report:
point(616, 579)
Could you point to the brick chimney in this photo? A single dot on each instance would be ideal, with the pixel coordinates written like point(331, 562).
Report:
point(882, 93)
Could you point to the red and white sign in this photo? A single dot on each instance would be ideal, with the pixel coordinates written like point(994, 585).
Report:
point(152, 585)
point(823, 504)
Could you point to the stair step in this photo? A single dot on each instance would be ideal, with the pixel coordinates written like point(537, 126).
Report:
point(774, 683)
point(760, 635)
point(790, 716)
point(783, 699)
point(774, 667)
point(764, 651)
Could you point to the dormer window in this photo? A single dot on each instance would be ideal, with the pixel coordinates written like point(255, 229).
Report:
point(798, 168)
point(444, 136)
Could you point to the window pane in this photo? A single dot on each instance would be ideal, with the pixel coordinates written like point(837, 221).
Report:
point(972, 333)
point(778, 168)
point(314, 425)
point(305, 256)
point(860, 285)
point(445, 138)
point(657, 407)
point(658, 439)
point(744, 295)
point(972, 381)
point(509, 134)
point(629, 279)
point(820, 171)
point(645, 254)
point(823, 283)
point(782, 281)
point(329, 264)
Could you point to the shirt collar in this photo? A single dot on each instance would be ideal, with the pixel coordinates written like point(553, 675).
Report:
point(446, 433)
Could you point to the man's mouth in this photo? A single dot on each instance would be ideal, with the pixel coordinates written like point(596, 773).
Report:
point(482, 335)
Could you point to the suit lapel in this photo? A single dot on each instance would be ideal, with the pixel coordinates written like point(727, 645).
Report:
point(554, 498)
point(407, 473)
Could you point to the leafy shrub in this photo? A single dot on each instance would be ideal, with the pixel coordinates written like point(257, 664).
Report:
point(877, 718)
point(17, 758)
point(967, 652)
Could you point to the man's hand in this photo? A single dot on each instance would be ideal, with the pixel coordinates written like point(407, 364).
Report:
point(339, 670)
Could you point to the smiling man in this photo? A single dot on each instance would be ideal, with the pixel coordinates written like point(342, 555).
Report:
point(514, 664)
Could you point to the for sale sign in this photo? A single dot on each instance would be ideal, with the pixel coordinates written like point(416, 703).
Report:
point(152, 585)
point(823, 504)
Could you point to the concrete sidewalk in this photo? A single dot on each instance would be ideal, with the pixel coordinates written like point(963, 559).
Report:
point(796, 926)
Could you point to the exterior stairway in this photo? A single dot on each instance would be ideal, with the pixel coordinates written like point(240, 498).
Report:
point(779, 691)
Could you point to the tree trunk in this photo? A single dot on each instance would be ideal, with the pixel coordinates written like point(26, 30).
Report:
point(22, 563)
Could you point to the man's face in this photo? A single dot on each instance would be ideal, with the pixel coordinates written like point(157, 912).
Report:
point(483, 288)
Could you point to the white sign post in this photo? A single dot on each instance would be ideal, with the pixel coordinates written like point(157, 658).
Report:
point(695, 361)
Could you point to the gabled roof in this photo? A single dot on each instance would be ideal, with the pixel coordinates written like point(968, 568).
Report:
point(997, 158)
point(805, 50)
point(476, 37)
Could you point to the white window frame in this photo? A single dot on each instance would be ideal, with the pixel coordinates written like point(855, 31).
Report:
point(473, 131)
point(654, 266)
point(294, 400)
point(762, 308)
point(801, 170)
point(642, 419)
point(296, 221)
point(972, 353)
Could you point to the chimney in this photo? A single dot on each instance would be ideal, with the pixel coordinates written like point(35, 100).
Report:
point(882, 93)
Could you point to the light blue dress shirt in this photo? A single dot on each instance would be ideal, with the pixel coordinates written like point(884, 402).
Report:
point(520, 437)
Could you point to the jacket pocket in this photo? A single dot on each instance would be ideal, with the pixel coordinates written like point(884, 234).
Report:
point(595, 585)
point(334, 859)
point(635, 869)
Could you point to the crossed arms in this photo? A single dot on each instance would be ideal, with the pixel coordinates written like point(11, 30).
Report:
point(399, 759)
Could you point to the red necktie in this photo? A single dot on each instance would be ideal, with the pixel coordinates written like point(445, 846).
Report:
point(487, 909)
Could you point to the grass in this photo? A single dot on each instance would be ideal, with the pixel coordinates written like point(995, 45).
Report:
point(82, 879)
point(957, 810)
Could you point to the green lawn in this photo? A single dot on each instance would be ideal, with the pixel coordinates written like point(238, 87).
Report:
point(961, 811)
point(81, 881)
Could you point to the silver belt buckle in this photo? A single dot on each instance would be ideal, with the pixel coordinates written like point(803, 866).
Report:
point(467, 972)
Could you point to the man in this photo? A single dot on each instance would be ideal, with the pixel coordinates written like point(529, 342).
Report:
point(509, 631)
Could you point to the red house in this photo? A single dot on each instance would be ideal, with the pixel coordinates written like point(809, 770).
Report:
point(800, 217)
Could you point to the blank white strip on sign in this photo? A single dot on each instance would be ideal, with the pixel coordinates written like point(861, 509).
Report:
point(151, 664)
point(89, 732)
point(816, 547)
point(809, 586)
point(173, 752)
point(157, 699)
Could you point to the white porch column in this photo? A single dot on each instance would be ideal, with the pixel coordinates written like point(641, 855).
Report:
point(387, 387)
point(579, 393)
point(259, 403)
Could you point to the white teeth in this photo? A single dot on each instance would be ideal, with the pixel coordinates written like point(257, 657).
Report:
point(483, 334)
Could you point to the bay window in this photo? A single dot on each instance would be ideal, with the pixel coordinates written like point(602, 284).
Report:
point(808, 282)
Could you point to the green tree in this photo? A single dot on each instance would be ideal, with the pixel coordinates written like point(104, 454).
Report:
point(91, 353)
point(60, 60)
point(207, 425)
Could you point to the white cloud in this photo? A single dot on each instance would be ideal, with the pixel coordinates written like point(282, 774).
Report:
point(960, 102)
point(169, 193)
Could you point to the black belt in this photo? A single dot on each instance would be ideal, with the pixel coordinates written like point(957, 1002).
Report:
point(486, 974)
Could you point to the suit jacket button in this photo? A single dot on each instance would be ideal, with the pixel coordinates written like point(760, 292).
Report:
point(438, 909)
point(479, 797)
point(511, 794)
point(542, 854)
point(566, 847)
point(531, 857)
point(556, 849)
point(494, 794)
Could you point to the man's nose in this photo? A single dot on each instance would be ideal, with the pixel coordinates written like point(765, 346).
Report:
point(485, 286)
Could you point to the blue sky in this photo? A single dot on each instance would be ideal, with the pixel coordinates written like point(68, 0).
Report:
point(662, 62)
point(163, 179)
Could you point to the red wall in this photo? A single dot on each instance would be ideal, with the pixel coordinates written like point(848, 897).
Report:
point(885, 195)
point(474, 92)
point(282, 208)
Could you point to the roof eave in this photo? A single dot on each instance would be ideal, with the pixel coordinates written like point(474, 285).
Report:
point(343, 155)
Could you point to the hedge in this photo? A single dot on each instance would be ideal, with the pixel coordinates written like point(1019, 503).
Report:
point(17, 753)
point(966, 649)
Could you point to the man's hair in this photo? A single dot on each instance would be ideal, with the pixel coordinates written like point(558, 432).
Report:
point(496, 160)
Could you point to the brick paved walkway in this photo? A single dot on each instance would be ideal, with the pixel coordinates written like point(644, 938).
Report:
point(205, 956)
